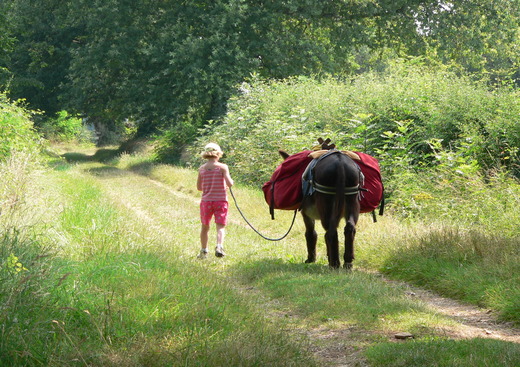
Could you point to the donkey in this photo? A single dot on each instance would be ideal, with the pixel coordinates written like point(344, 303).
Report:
point(333, 194)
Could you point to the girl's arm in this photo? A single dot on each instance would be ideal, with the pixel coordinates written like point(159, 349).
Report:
point(227, 176)
point(199, 182)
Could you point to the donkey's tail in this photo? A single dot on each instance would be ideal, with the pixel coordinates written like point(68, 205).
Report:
point(339, 199)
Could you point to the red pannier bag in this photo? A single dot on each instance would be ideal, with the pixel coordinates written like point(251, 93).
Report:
point(284, 189)
point(371, 198)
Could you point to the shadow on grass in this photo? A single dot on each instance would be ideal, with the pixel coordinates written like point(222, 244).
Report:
point(142, 168)
point(107, 171)
point(101, 155)
point(260, 268)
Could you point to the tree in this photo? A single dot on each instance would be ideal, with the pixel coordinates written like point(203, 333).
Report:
point(40, 56)
point(173, 64)
point(6, 43)
point(480, 36)
point(166, 62)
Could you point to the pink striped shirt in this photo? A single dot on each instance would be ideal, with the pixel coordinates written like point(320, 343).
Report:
point(213, 185)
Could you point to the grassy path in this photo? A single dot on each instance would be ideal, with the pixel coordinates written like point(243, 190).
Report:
point(316, 315)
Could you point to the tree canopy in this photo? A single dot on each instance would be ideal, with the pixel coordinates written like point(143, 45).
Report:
point(168, 63)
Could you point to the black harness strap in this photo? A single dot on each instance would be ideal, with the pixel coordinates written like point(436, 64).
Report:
point(309, 185)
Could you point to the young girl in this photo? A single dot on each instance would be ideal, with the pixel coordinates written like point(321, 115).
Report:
point(213, 181)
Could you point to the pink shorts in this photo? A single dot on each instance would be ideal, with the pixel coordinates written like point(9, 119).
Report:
point(217, 208)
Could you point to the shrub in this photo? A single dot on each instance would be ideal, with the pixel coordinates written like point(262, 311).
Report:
point(429, 128)
point(399, 110)
point(66, 128)
point(16, 129)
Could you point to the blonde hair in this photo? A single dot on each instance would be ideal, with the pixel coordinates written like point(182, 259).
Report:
point(212, 150)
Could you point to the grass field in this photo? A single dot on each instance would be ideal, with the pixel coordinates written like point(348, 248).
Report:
point(100, 269)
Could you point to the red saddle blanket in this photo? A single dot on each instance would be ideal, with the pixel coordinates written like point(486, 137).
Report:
point(284, 189)
point(371, 198)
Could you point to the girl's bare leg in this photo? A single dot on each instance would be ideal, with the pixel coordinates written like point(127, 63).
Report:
point(204, 230)
point(221, 233)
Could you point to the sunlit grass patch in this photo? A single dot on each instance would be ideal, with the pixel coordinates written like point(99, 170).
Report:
point(357, 299)
point(143, 291)
point(89, 222)
point(445, 353)
point(153, 299)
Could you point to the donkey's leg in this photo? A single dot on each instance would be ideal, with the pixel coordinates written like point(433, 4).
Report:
point(350, 234)
point(330, 225)
point(311, 238)
point(331, 239)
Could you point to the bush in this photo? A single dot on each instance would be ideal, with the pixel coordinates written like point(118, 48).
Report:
point(399, 111)
point(66, 128)
point(16, 129)
point(171, 142)
point(483, 124)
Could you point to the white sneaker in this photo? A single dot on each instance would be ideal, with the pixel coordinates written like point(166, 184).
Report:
point(219, 252)
point(202, 254)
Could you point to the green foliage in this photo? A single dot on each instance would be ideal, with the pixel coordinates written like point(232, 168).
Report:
point(157, 62)
point(456, 191)
point(270, 116)
point(172, 142)
point(397, 115)
point(464, 115)
point(6, 44)
point(16, 129)
point(487, 31)
point(39, 59)
point(65, 128)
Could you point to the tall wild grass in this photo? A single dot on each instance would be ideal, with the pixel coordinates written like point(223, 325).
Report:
point(26, 265)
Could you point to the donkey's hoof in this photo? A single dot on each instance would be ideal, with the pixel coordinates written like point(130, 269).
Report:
point(310, 261)
point(348, 266)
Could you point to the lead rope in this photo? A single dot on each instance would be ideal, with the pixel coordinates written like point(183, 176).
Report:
point(253, 228)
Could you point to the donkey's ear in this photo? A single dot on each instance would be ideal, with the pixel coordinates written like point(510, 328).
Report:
point(284, 154)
